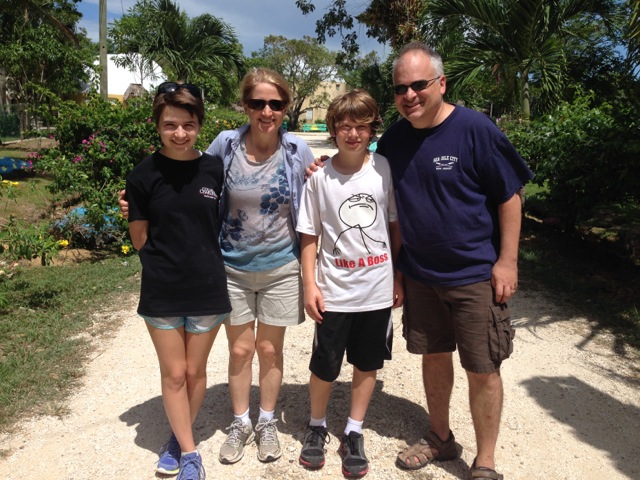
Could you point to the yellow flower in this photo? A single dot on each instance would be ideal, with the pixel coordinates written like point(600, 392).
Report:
point(125, 249)
point(63, 243)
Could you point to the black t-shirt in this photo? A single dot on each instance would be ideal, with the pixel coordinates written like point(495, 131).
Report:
point(183, 271)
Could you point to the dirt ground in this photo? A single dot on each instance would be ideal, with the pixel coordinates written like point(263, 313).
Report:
point(571, 410)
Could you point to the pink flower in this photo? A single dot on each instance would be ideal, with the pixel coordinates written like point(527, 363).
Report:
point(77, 159)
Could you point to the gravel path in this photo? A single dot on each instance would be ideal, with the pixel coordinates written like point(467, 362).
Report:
point(572, 409)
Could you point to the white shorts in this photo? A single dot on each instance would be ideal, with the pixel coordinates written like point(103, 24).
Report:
point(273, 297)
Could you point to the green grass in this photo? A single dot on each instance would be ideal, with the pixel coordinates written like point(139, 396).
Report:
point(42, 349)
point(29, 201)
point(7, 152)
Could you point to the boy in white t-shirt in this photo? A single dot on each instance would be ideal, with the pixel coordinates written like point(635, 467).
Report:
point(349, 205)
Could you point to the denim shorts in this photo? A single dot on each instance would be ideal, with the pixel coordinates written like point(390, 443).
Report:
point(199, 324)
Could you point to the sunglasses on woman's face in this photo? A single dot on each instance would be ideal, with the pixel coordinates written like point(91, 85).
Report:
point(258, 104)
point(170, 87)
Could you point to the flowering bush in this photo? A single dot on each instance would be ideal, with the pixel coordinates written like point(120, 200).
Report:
point(99, 143)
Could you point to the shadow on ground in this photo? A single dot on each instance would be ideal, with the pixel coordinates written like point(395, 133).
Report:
point(293, 414)
point(588, 412)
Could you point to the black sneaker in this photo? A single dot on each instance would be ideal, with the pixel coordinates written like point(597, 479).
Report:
point(312, 453)
point(354, 461)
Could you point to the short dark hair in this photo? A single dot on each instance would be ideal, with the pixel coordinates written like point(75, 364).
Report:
point(180, 98)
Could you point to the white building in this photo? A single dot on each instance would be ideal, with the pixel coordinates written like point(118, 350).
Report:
point(119, 79)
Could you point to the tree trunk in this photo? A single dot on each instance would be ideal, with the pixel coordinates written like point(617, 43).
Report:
point(526, 107)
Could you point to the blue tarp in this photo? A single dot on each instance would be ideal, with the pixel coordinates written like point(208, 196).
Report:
point(8, 165)
point(78, 214)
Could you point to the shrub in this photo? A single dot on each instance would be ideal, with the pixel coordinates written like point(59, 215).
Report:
point(19, 241)
point(585, 155)
point(216, 120)
point(99, 142)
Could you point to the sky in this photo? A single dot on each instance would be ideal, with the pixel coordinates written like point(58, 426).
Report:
point(252, 20)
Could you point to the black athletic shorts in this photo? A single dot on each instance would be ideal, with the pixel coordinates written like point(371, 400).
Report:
point(366, 336)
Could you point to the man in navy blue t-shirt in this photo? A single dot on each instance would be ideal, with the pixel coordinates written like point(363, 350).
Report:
point(457, 181)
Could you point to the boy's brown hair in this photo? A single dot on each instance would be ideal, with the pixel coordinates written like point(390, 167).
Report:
point(356, 105)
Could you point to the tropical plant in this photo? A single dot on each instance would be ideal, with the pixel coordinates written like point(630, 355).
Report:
point(633, 36)
point(392, 21)
point(99, 143)
point(517, 42)
point(54, 14)
point(373, 75)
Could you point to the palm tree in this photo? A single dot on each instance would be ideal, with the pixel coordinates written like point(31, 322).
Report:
point(512, 40)
point(634, 34)
point(204, 43)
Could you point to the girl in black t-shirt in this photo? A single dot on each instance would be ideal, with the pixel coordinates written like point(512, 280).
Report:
point(173, 221)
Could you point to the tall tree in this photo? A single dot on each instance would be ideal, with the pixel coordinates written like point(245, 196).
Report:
point(303, 63)
point(62, 16)
point(392, 21)
point(182, 46)
point(42, 58)
point(374, 76)
point(633, 36)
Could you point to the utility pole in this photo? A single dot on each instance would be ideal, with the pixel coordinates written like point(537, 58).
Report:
point(103, 50)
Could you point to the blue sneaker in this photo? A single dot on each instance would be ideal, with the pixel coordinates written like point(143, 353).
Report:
point(169, 462)
point(191, 467)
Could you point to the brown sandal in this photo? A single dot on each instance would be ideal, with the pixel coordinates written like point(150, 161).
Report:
point(483, 473)
point(421, 451)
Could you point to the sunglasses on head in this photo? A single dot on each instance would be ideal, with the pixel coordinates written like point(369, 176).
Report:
point(170, 87)
point(258, 104)
point(416, 86)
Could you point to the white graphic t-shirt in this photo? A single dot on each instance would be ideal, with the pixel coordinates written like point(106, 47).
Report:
point(352, 215)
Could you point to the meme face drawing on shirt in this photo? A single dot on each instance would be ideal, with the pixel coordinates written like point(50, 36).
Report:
point(358, 212)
